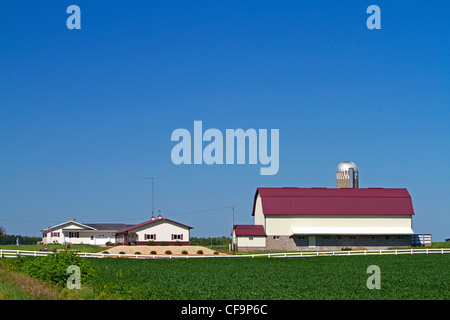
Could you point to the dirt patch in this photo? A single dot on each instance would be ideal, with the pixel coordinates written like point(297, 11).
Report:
point(160, 250)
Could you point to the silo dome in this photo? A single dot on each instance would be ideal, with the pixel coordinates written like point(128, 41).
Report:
point(345, 166)
point(347, 175)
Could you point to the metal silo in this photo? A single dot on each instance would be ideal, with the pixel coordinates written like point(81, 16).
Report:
point(347, 175)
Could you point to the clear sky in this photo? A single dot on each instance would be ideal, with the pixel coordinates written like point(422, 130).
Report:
point(86, 114)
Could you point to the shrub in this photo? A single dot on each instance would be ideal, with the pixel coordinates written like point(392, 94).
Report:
point(54, 267)
point(14, 264)
point(200, 252)
point(151, 243)
point(121, 252)
point(177, 243)
point(168, 252)
point(163, 243)
point(215, 252)
point(153, 252)
point(184, 252)
point(105, 252)
point(137, 252)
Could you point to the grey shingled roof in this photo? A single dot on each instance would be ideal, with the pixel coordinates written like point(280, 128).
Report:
point(108, 226)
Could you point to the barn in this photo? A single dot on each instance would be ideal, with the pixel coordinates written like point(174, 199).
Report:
point(295, 219)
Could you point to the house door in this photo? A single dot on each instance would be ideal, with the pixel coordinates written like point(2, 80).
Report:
point(312, 241)
point(92, 239)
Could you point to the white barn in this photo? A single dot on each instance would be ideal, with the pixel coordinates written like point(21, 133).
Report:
point(294, 219)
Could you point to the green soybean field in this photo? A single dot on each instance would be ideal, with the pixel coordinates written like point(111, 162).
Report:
point(400, 277)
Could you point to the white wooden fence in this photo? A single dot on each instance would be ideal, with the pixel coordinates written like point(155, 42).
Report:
point(16, 253)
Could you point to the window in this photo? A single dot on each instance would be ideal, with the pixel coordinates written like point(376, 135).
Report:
point(250, 238)
point(352, 237)
point(150, 237)
point(326, 237)
point(276, 237)
point(75, 235)
point(55, 234)
point(374, 237)
point(177, 237)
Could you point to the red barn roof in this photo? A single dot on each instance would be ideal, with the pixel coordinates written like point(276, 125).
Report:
point(249, 230)
point(324, 201)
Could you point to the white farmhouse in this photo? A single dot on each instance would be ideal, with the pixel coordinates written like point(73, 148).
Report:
point(156, 230)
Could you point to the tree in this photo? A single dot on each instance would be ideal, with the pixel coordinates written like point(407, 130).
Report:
point(2, 232)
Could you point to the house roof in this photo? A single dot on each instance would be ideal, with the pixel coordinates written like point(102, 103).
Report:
point(108, 226)
point(150, 222)
point(342, 201)
point(84, 226)
point(249, 230)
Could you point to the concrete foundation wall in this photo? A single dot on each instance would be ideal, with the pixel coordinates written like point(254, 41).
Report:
point(332, 242)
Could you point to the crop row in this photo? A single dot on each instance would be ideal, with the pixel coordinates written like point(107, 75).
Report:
point(402, 277)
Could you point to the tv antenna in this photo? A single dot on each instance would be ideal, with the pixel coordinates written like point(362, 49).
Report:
point(153, 192)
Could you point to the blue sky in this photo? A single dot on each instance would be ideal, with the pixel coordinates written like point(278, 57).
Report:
point(85, 114)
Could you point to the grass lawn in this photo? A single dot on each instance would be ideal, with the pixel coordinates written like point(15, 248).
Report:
point(9, 292)
point(402, 278)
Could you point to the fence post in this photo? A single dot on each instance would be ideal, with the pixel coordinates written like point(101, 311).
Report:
point(1, 253)
point(411, 251)
point(442, 250)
